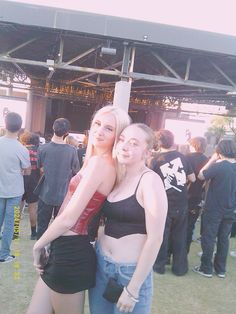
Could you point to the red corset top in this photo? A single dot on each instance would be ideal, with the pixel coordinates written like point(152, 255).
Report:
point(92, 208)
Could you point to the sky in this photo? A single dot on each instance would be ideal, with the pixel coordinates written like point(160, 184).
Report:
point(210, 15)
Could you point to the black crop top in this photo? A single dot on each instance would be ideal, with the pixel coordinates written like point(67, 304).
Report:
point(124, 217)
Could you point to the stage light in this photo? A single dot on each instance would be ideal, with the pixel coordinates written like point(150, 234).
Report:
point(108, 51)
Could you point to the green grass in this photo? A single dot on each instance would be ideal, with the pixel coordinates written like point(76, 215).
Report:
point(172, 295)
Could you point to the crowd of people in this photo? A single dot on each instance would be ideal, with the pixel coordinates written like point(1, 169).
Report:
point(107, 215)
point(195, 184)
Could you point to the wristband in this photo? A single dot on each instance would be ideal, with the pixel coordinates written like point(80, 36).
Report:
point(130, 295)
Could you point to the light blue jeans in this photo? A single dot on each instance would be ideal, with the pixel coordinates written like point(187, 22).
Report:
point(7, 208)
point(122, 272)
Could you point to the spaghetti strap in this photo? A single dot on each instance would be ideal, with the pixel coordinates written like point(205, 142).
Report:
point(140, 180)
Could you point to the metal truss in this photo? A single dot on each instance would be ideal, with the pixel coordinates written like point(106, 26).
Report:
point(128, 64)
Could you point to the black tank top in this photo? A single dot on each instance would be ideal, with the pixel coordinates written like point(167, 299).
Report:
point(124, 217)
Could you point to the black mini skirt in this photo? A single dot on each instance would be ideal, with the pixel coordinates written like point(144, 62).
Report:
point(71, 266)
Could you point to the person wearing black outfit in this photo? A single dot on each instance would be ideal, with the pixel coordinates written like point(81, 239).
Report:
point(175, 170)
point(71, 265)
point(219, 212)
point(31, 142)
point(134, 215)
point(233, 230)
point(197, 159)
point(59, 163)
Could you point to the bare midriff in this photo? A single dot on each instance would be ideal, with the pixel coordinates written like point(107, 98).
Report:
point(126, 249)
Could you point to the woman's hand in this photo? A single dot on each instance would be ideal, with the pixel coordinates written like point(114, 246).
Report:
point(126, 302)
point(39, 256)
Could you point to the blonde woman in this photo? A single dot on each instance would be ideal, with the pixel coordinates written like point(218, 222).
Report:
point(71, 267)
point(135, 214)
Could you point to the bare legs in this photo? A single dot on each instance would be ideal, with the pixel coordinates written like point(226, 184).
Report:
point(33, 213)
point(33, 218)
point(41, 302)
point(68, 303)
point(32, 208)
point(46, 301)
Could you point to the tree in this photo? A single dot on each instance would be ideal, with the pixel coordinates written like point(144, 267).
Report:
point(219, 126)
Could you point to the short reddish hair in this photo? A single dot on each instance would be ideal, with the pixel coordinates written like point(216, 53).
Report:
point(165, 138)
point(198, 143)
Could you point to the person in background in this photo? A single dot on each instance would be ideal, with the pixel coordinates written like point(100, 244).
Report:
point(197, 159)
point(41, 138)
point(31, 142)
point(82, 150)
point(2, 132)
point(69, 139)
point(58, 162)
point(175, 171)
point(71, 267)
point(135, 213)
point(48, 138)
point(233, 230)
point(14, 162)
point(219, 209)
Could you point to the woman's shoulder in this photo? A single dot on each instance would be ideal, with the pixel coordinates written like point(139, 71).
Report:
point(152, 187)
point(150, 177)
point(101, 164)
point(94, 160)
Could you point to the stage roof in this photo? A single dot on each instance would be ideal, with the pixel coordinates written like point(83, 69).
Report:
point(82, 55)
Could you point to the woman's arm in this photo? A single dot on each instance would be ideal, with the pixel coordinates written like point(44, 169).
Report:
point(155, 205)
point(97, 171)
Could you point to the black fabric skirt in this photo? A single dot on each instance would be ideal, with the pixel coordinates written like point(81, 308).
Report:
point(71, 266)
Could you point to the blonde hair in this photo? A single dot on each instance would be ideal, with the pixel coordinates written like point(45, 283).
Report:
point(122, 120)
point(69, 139)
point(150, 135)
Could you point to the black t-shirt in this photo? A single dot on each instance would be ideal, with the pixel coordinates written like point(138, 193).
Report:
point(173, 168)
point(221, 194)
point(60, 162)
point(35, 171)
point(81, 154)
point(197, 161)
